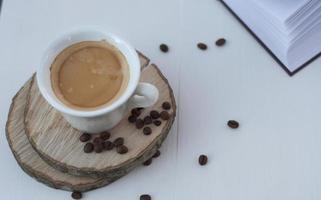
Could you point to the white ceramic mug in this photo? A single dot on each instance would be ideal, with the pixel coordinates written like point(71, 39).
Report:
point(94, 121)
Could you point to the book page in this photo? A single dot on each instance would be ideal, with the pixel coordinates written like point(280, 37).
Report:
point(282, 9)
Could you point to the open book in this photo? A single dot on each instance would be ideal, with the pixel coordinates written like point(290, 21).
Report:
point(289, 29)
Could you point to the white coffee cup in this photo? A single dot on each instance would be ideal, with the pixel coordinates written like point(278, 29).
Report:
point(137, 94)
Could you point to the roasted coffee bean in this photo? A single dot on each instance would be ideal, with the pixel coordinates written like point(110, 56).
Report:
point(108, 145)
point(118, 141)
point(89, 147)
point(147, 130)
point(132, 119)
point(164, 48)
point(166, 105)
point(154, 114)
point(157, 154)
point(122, 149)
point(157, 122)
point(220, 42)
point(148, 120)
point(164, 115)
point(98, 147)
point(202, 46)
point(233, 124)
point(139, 123)
point(145, 197)
point(148, 162)
point(104, 135)
point(202, 160)
point(97, 140)
point(136, 112)
point(76, 195)
point(85, 137)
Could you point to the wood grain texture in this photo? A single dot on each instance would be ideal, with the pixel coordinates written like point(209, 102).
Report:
point(58, 143)
point(31, 162)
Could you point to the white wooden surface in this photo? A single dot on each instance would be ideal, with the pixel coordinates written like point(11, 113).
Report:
point(275, 155)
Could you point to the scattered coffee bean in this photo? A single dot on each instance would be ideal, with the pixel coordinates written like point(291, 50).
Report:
point(202, 160)
point(147, 130)
point(202, 46)
point(98, 147)
point(220, 42)
point(154, 114)
point(136, 112)
point(139, 123)
point(76, 195)
point(132, 119)
point(145, 197)
point(105, 135)
point(118, 141)
point(164, 115)
point(233, 124)
point(157, 154)
point(148, 162)
point(166, 105)
point(164, 48)
point(122, 149)
point(139, 108)
point(89, 147)
point(85, 137)
point(157, 122)
point(108, 145)
point(97, 140)
point(148, 120)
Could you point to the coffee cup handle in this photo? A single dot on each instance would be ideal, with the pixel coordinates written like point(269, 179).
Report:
point(145, 95)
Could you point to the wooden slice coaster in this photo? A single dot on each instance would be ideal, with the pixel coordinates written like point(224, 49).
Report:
point(31, 162)
point(58, 143)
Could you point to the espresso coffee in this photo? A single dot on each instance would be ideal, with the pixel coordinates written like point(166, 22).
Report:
point(89, 75)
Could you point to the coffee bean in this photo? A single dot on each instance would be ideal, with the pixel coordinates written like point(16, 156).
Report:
point(220, 42)
point(202, 160)
point(145, 197)
point(76, 195)
point(164, 48)
point(157, 154)
point(85, 137)
point(108, 145)
point(202, 46)
point(118, 141)
point(105, 135)
point(136, 112)
point(148, 120)
point(132, 119)
point(122, 149)
point(164, 115)
point(98, 147)
point(154, 114)
point(89, 147)
point(97, 140)
point(148, 162)
point(157, 122)
point(139, 123)
point(147, 131)
point(166, 105)
point(233, 124)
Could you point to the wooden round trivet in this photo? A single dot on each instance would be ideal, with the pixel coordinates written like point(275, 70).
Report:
point(58, 143)
point(31, 162)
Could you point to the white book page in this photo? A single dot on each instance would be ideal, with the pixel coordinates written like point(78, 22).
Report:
point(282, 9)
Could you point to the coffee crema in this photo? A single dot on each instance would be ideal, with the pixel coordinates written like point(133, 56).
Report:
point(89, 75)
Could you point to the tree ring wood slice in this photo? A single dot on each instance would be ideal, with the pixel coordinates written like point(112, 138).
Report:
point(29, 160)
point(58, 143)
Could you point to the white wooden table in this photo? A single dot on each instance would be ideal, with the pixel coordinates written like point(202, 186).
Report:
point(276, 153)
